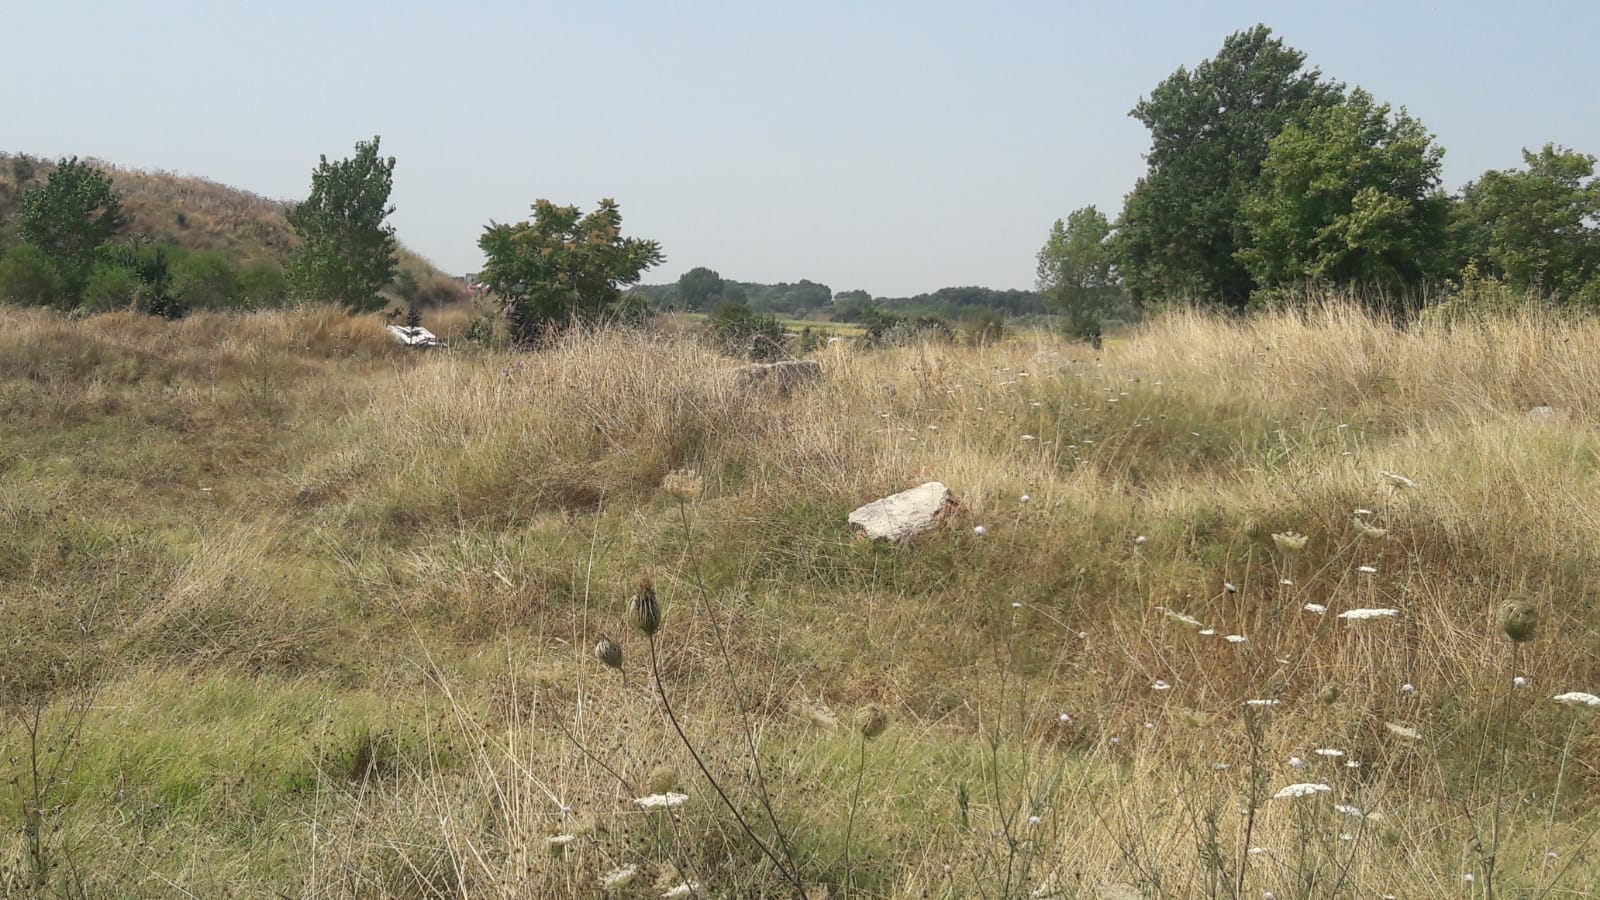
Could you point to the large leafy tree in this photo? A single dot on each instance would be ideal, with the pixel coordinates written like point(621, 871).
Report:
point(1076, 275)
point(71, 217)
point(699, 288)
point(1349, 195)
point(563, 267)
point(347, 252)
point(1539, 227)
point(1209, 132)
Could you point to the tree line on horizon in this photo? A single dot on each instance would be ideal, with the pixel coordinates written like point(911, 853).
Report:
point(1266, 182)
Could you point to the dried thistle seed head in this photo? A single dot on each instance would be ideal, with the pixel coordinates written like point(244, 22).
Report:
point(1290, 541)
point(683, 484)
point(1518, 620)
point(609, 652)
point(1252, 528)
point(871, 720)
point(1329, 694)
point(644, 611)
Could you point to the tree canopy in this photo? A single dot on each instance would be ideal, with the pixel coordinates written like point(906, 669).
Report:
point(1180, 230)
point(1538, 227)
point(347, 252)
point(1076, 274)
point(71, 217)
point(563, 267)
point(1348, 195)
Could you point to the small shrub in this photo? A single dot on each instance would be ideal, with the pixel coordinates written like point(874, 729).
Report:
point(27, 276)
point(737, 330)
point(110, 286)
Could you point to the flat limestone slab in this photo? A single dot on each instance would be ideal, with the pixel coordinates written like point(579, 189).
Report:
point(902, 516)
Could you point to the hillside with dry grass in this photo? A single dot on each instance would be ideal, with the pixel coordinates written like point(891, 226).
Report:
point(293, 612)
point(201, 215)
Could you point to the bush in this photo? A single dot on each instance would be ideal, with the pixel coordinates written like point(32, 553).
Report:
point(206, 280)
point(27, 276)
point(737, 330)
point(110, 286)
point(1474, 298)
point(884, 330)
point(263, 286)
point(985, 327)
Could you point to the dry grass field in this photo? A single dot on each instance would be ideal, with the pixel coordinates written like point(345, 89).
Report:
point(289, 611)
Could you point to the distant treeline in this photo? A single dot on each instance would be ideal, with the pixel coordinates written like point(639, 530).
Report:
point(704, 290)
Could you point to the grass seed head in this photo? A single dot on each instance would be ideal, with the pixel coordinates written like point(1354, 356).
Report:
point(644, 611)
point(609, 652)
point(683, 484)
point(1518, 620)
point(871, 720)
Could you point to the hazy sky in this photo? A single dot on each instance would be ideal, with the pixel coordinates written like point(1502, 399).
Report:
point(895, 147)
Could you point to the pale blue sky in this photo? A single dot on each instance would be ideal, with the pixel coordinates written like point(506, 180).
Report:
point(896, 147)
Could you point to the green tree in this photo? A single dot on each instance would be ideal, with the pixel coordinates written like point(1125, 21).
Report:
point(1209, 132)
point(347, 253)
point(1076, 275)
point(1349, 196)
point(699, 287)
point(562, 267)
point(70, 217)
point(1539, 228)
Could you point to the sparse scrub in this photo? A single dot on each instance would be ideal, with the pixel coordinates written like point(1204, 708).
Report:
point(1235, 621)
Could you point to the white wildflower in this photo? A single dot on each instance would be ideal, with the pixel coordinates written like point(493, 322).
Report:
point(1235, 638)
point(1519, 681)
point(1329, 752)
point(1317, 608)
point(979, 530)
point(1230, 587)
point(560, 840)
point(1260, 703)
point(661, 801)
point(1208, 632)
point(1303, 789)
point(1159, 685)
point(1348, 810)
point(686, 889)
point(1580, 698)
point(1296, 762)
point(1366, 570)
point(1408, 688)
point(1399, 480)
point(1140, 539)
point(1360, 614)
point(617, 879)
point(1364, 512)
point(1404, 731)
point(1178, 616)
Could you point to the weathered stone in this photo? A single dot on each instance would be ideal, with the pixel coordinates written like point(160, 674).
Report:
point(902, 516)
point(780, 377)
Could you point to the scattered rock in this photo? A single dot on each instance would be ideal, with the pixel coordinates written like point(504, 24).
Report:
point(902, 516)
point(414, 337)
point(780, 377)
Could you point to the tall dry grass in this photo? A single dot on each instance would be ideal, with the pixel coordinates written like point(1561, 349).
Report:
point(392, 565)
